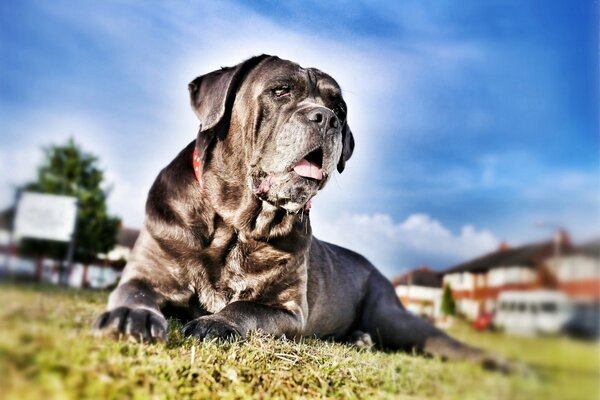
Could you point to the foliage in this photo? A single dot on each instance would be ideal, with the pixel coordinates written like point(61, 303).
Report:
point(67, 170)
point(448, 305)
point(47, 351)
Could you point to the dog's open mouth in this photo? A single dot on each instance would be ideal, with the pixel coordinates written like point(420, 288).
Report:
point(311, 166)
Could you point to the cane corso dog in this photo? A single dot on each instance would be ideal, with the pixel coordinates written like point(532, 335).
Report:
point(227, 237)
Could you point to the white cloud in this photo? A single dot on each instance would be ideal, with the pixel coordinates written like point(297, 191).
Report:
point(396, 246)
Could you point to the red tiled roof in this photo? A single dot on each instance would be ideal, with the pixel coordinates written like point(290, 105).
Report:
point(127, 237)
point(528, 255)
point(422, 276)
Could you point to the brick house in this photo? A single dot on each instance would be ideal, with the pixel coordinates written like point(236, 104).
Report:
point(555, 265)
point(420, 291)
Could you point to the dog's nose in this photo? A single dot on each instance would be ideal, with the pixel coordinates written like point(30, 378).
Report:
point(323, 117)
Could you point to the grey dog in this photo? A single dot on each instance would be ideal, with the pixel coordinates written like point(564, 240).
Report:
point(227, 242)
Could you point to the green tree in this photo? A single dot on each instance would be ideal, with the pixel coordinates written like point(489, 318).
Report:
point(448, 305)
point(68, 170)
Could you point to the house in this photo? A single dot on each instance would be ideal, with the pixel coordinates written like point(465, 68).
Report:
point(578, 272)
point(420, 291)
point(119, 254)
point(555, 265)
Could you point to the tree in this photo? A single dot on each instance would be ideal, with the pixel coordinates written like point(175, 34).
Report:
point(68, 170)
point(448, 305)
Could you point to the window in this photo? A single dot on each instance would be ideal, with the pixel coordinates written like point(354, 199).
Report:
point(534, 308)
point(549, 307)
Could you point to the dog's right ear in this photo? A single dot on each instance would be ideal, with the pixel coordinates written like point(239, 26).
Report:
point(212, 95)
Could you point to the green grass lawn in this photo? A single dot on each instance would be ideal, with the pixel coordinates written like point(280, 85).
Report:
point(47, 351)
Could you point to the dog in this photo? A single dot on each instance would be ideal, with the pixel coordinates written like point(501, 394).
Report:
point(227, 243)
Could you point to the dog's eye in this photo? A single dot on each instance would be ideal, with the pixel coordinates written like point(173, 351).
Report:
point(281, 91)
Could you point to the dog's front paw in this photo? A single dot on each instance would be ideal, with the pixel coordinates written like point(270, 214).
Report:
point(360, 340)
point(138, 323)
point(209, 327)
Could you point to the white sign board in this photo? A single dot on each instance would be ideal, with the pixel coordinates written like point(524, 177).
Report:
point(45, 216)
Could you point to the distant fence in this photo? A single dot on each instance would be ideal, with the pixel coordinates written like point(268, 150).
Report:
point(48, 270)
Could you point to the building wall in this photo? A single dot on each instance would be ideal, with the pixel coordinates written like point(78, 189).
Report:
point(575, 267)
point(468, 307)
point(119, 252)
point(420, 300)
point(460, 281)
point(4, 237)
point(510, 275)
point(476, 293)
point(418, 292)
point(578, 276)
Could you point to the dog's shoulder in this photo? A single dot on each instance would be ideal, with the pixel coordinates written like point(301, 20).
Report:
point(322, 251)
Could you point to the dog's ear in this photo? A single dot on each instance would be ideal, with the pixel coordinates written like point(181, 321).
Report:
point(347, 149)
point(212, 95)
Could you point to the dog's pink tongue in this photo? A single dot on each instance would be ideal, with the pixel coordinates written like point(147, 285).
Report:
point(308, 169)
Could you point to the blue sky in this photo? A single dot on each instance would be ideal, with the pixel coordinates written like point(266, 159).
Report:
point(475, 121)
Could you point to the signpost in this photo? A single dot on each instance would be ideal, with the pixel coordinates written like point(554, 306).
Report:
point(47, 217)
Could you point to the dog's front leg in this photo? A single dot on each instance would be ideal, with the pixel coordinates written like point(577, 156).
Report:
point(239, 318)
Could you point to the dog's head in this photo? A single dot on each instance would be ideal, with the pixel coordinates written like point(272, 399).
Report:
point(280, 128)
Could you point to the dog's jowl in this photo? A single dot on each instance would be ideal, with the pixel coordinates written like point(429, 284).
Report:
point(227, 241)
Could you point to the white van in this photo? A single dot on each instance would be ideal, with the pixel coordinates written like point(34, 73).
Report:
point(532, 312)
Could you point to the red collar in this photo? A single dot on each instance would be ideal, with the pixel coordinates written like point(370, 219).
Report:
point(197, 167)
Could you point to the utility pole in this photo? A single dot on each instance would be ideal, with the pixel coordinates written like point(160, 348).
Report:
point(11, 231)
point(70, 250)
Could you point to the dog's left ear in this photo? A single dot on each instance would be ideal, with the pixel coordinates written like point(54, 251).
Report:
point(347, 149)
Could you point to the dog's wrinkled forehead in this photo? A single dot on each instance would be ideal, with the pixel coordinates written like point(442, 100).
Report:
point(275, 72)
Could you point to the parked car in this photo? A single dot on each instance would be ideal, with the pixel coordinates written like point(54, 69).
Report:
point(532, 312)
point(584, 322)
point(484, 322)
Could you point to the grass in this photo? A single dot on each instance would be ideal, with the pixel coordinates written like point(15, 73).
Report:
point(47, 351)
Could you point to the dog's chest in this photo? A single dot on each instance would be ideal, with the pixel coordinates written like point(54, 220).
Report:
point(244, 271)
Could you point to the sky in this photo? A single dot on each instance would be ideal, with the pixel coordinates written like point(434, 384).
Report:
point(475, 122)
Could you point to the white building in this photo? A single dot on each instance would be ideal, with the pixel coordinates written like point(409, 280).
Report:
point(555, 265)
point(420, 291)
